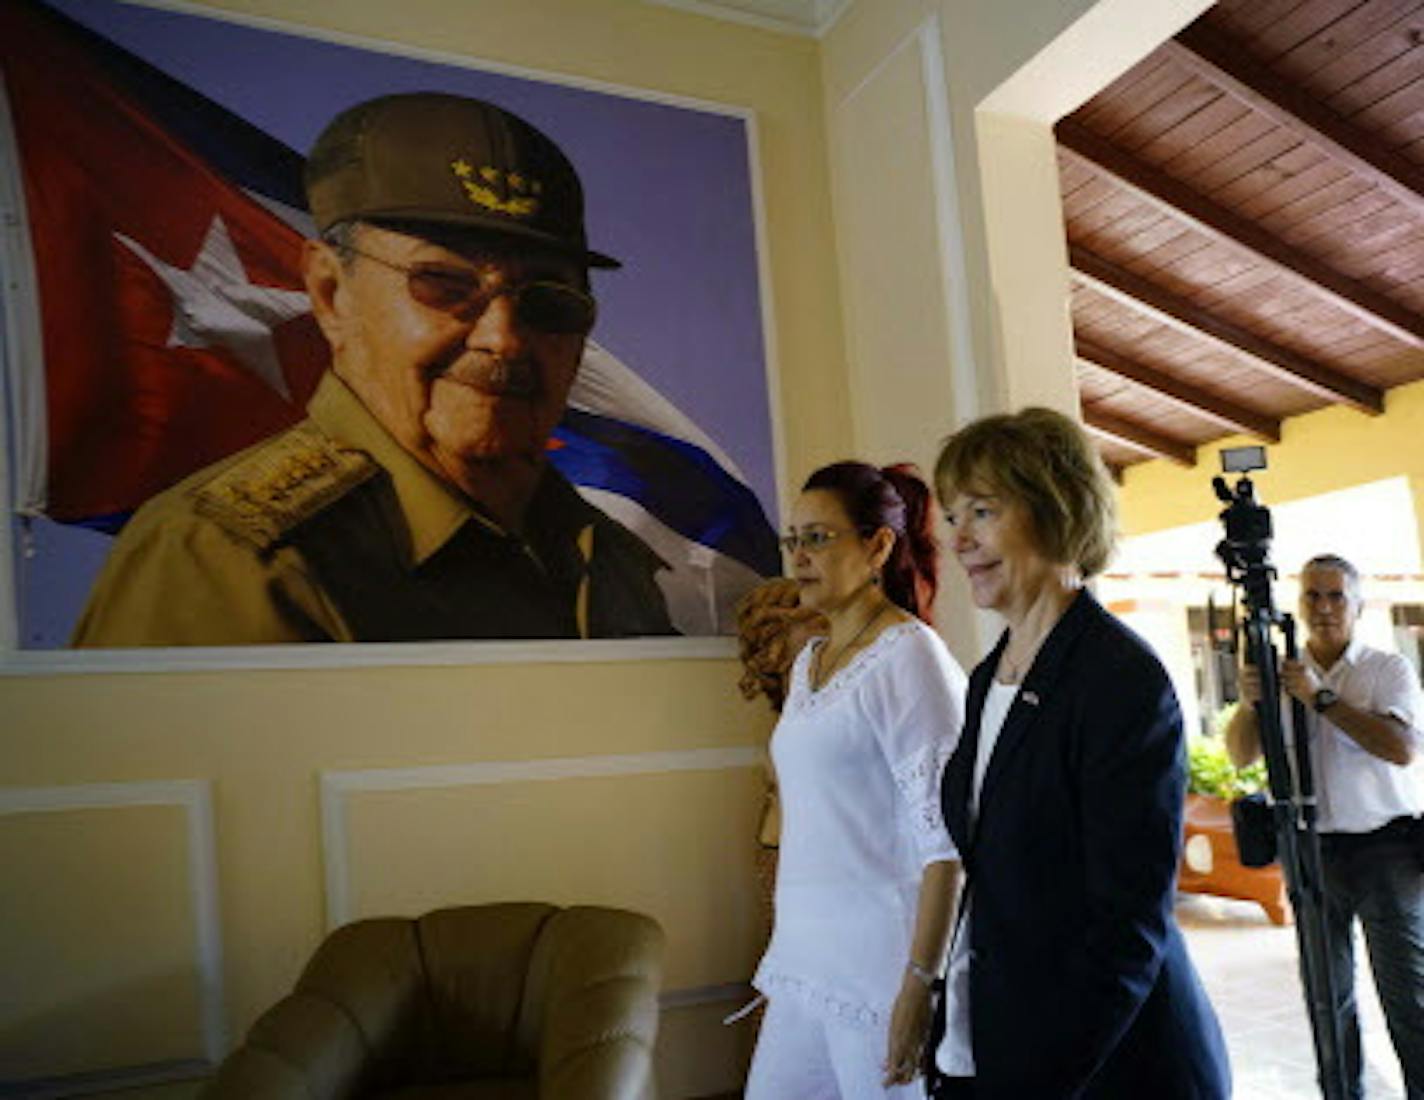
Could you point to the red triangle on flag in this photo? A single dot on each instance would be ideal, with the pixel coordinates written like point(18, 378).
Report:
point(175, 328)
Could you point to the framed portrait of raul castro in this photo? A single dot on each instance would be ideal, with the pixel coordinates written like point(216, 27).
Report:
point(312, 341)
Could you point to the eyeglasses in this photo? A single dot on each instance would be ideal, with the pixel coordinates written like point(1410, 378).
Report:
point(542, 304)
point(812, 541)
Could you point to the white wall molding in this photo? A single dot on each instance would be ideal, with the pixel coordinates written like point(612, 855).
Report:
point(954, 266)
point(806, 18)
point(194, 797)
point(338, 786)
point(361, 655)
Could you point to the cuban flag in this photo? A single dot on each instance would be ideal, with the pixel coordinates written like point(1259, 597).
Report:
point(633, 454)
point(160, 321)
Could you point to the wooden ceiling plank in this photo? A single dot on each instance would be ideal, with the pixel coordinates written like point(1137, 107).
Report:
point(1170, 309)
point(1330, 211)
point(1250, 290)
point(1358, 42)
point(1226, 226)
point(1104, 213)
point(1151, 242)
point(1178, 249)
point(1406, 268)
point(1217, 58)
point(1406, 131)
point(1200, 273)
point(1110, 239)
point(1226, 142)
point(1110, 110)
point(1138, 438)
point(1284, 34)
point(1249, 17)
point(1354, 92)
point(1144, 411)
point(1124, 88)
point(1296, 195)
point(1194, 96)
point(1195, 400)
point(1359, 248)
point(1398, 106)
point(1083, 200)
point(1193, 132)
point(1304, 176)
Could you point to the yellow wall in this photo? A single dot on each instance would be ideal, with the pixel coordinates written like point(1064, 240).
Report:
point(1320, 452)
point(265, 739)
point(404, 787)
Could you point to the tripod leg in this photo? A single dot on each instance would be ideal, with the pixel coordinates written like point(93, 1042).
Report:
point(1338, 918)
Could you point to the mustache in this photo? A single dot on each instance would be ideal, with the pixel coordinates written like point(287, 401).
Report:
point(494, 375)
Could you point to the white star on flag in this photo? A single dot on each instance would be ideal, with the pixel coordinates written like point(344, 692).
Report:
point(216, 305)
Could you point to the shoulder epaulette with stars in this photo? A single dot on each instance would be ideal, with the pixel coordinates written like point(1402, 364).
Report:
point(280, 483)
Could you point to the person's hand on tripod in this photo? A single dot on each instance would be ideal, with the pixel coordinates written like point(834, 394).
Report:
point(1300, 682)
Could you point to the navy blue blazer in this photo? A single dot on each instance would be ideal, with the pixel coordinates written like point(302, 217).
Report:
point(1080, 983)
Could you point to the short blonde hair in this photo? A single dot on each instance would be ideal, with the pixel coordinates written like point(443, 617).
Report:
point(1044, 461)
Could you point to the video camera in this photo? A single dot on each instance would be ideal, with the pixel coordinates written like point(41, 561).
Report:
point(1246, 549)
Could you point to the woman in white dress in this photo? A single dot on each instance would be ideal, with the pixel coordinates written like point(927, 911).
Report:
point(868, 873)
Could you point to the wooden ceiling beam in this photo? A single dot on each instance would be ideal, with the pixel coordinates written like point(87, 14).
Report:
point(1176, 199)
point(1198, 402)
point(1139, 438)
point(1170, 309)
point(1220, 60)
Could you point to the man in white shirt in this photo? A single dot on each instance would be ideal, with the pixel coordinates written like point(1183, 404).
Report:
point(1363, 718)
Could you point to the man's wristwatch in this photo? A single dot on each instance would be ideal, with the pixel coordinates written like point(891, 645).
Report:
point(1324, 700)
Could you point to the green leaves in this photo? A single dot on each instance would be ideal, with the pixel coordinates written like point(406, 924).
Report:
point(1211, 772)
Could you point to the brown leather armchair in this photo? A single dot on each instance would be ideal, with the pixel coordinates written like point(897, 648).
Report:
point(491, 1002)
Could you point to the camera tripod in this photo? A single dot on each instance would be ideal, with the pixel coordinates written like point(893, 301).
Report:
point(1292, 781)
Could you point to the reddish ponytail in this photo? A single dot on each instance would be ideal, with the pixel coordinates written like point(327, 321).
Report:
point(915, 559)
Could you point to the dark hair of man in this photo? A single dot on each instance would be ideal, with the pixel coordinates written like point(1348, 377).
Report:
point(1042, 460)
point(898, 498)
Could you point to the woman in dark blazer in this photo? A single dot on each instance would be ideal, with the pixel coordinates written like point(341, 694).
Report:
point(1068, 976)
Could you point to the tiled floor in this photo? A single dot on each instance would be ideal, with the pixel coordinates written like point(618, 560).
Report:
point(1248, 967)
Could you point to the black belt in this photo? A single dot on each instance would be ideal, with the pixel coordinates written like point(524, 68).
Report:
point(1399, 830)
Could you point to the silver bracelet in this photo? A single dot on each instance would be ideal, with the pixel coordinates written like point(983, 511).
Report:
point(924, 977)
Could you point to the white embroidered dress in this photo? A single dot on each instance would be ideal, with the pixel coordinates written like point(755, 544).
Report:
point(858, 764)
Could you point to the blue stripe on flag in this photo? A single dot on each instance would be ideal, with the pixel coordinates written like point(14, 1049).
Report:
point(677, 483)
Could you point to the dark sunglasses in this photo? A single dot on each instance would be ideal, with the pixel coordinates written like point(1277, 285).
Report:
point(542, 304)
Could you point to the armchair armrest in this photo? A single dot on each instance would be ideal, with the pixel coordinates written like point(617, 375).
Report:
point(302, 1048)
point(592, 995)
point(348, 1022)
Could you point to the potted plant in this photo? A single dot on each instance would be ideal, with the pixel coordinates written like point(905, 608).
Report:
point(1211, 774)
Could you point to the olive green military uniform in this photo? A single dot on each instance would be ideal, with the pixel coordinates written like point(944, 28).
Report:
point(332, 532)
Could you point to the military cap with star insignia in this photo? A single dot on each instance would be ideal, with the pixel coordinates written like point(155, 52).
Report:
point(447, 160)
